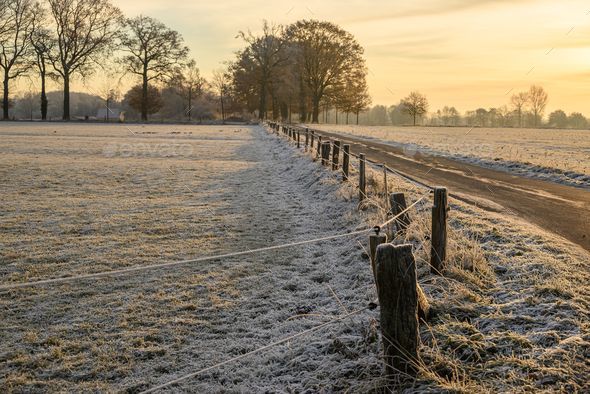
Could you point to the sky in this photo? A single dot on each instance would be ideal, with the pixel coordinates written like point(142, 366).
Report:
point(463, 53)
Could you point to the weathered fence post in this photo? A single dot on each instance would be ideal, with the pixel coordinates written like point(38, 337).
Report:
point(311, 142)
point(398, 301)
point(325, 153)
point(438, 252)
point(335, 155)
point(362, 177)
point(306, 138)
point(345, 161)
point(385, 186)
point(398, 205)
point(374, 241)
point(319, 149)
point(298, 139)
point(290, 132)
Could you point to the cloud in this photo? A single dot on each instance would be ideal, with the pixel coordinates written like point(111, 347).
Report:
point(431, 8)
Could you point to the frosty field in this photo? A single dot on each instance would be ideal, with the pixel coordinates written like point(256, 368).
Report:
point(511, 315)
point(557, 155)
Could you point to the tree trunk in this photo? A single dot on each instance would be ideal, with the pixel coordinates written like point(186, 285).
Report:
point(190, 104)
point(44, 101)
point(144, 96)
point(316, 109)
point(5, 100)
point(347, 118)
point(43, 98)
point(66, 115)
point(262, 104)
point(222, 110)
point(302, 109)
point(357, 118)
point(414, 119)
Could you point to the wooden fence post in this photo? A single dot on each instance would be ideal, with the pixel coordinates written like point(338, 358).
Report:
point(362, 177)
point(298, 139)
point(335, 155)
point(306, 138)
point(345, 161)
point(325, 153)
point(398, 205)
point(386, 190)
point(374, 241)
point(438, 252)
point(311, 142)
point(398, 301)
point(290, 132)
point(319, 149)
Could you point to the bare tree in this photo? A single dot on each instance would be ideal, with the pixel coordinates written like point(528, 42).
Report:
point(156, 53)
point(264, 55)
point(538, 101)
point(43, 43)
point(84, 30)
point(16, 29)
point(136, 99)
point(220, 84)
point(519, 101)
point(415, 105)
point(191, 85)
point(326, 55)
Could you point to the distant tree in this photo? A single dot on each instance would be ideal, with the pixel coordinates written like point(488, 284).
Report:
point(503, 115)
point(149, 104)
point(191, 85)
point(519, 101)
point(398, 114)
point(20, 17)
point(481, 115)
point(378, 116)
point(327, 57)
point(558, 119)
point(357, 97)
point(415, 104)
point(155, 53)
point(220, 84)
point(538, 101)
point(43, 43)
point(260, 63)
point(25, 105)
point(85, 30)
point(577, 121)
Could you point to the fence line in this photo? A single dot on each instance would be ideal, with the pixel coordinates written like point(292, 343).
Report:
point(189, 261)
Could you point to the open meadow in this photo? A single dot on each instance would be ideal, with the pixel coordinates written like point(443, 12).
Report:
point(511, 313)
point(557, 155)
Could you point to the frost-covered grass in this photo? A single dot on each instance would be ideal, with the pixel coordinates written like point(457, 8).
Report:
point(557, 155)
point(511, 312)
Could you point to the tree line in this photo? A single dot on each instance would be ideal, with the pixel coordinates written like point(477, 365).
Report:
point(524, 109)
point(302, 68)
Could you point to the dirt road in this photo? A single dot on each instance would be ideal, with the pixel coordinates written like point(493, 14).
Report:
point(564, 210)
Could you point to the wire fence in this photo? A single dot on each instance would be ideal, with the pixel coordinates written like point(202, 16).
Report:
point(367, 231)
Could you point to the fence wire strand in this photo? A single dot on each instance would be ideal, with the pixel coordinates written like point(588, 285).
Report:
point(258, 350)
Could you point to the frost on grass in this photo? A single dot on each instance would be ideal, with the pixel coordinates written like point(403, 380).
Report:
point(555, 155)
point(511, 313)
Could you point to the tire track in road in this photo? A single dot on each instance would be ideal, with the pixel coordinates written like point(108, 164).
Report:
point(561, 209)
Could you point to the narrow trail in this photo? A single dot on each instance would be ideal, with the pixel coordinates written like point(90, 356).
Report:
point(561, 209)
